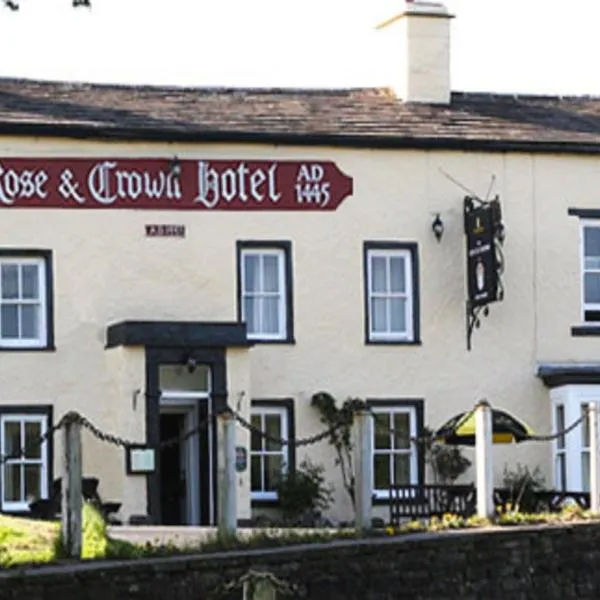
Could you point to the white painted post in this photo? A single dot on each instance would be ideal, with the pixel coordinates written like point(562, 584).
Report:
point(483, 459)
point(72, 499)
point(227, 492)
point(363, 473)
point(594, 462)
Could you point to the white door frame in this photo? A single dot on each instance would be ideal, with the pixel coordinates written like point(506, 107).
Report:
point(186, 402)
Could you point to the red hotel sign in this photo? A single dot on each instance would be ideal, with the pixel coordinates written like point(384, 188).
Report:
point(152, 184)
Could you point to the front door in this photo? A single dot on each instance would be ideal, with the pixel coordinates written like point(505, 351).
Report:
point(185, 467)
point(174, 476)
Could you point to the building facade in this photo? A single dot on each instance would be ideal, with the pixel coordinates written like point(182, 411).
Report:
point(166, 253)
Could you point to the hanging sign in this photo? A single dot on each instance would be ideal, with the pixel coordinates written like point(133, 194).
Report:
point(482, 271)
point(156, 184)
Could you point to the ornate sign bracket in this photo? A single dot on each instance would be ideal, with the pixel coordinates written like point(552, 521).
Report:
point(485, 235)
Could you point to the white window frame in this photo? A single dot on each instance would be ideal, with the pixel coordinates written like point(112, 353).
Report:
point(393, 409)
point(280, 254)
point(584, 224)
point(22, 418)
point(41, 340)
point(560, 476)
point(283, 414)
point(574, 398)
point(391, 336)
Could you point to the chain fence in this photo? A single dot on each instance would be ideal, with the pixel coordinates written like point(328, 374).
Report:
point(31, 447)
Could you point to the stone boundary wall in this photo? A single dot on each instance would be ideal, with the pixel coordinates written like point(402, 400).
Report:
point(546, 563)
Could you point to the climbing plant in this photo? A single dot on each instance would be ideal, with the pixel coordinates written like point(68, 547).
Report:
point(339, 419)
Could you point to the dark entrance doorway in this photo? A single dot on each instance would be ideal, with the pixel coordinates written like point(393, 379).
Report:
point(173, 473)
point(186, 466)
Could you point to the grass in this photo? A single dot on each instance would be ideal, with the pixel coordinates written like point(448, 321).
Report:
point(24, 541)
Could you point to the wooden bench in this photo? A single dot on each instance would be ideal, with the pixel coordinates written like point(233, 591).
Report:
point(410, 502)
point(50, 508)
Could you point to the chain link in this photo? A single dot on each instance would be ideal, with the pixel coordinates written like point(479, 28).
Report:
point(286, 442)
point(124, 443)
point(558, 434)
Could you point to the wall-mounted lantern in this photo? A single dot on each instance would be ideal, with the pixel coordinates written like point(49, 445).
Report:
point(437, 227)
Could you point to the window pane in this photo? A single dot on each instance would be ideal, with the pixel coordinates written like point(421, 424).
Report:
point(398, 315)
point(29, 321)
point(270, 322)
point(397, 274)
point(585, 471)
point(591, 283)
point(585, 426)
point(382, 431)
point(271, 273)
point(591, 263)
point(29, 282)
point(12, 483)
point(560, 425)
point(401, 431)
point(273, 466)
point(255, 438)
point(591, 236)
point(382, 471)
point(379, 315)
point(9, 321)
point(378, 274)
point(33, 482)
point(273, 429)
point(251, 273)
point(33, 432)
point(251, 314)
point(9, 281)
point(561, 472)
point(402, 469)
point(255, 483)
point(12, 438)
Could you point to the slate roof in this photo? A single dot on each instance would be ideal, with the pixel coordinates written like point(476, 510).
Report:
point(354, 117)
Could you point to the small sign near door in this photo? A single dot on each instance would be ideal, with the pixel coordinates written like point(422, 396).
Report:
point(140, 460)
point(241, 459)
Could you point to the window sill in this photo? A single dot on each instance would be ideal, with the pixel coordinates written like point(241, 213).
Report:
point(289, 341)
point(27, 348)
point(264, 502)
point(370, 342)
point(586, 331)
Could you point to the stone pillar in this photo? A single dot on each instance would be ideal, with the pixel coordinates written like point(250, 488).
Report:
point(363, 463)
point(483, 459)
point(227, 491)
point(594, 462)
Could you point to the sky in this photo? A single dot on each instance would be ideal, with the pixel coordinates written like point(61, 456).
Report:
point(511, 46)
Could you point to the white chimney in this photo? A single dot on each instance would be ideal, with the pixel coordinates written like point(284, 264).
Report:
point(421, 35)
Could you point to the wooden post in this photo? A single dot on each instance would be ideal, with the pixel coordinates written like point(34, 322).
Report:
point(363, 463)
point(483, 459)
point(594, 462)
point(227, 492)
point(72, 500)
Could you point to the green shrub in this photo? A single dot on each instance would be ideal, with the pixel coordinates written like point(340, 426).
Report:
point(522, 484)
point(304, 494)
